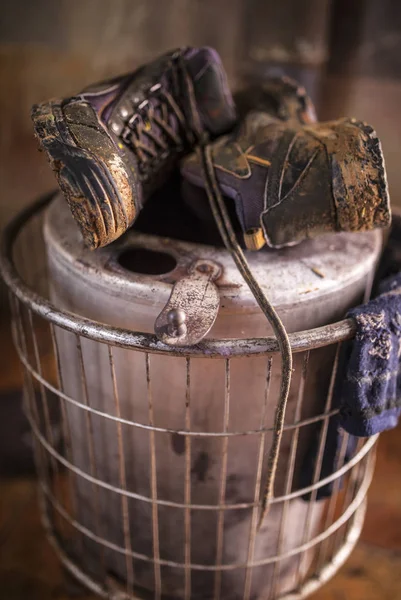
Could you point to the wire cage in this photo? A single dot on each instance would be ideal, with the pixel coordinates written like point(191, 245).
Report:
point(104, 472)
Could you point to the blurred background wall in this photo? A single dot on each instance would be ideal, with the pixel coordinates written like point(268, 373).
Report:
point(363, 73)
point(347, 54)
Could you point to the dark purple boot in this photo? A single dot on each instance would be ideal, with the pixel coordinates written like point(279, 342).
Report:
point(289, 177)
point(113, 144)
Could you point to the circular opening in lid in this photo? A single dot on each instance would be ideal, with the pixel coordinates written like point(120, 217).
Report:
point(147, 262)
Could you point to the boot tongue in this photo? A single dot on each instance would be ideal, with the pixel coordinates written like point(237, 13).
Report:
point(233, 153)
point(213, 97)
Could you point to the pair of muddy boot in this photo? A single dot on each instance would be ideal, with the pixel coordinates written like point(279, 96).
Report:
point(286, 176)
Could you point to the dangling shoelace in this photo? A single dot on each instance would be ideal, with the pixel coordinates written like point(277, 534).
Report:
point(227, 233)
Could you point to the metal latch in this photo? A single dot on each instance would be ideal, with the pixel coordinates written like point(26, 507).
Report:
point(192, 307)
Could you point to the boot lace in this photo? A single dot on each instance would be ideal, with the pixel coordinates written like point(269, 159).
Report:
point(156, 128)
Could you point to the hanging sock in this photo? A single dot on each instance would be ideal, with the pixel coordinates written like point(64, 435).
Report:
point(367, 389)
point(368, 386)
point(370, 393)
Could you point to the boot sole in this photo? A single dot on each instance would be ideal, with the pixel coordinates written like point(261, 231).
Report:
point(98, 182)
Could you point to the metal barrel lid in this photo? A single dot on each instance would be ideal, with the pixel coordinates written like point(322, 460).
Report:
point(145, 267)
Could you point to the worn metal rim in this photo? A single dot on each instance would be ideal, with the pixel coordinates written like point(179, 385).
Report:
point(125, 338)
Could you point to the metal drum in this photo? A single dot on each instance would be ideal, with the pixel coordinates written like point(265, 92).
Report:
point(154, 489)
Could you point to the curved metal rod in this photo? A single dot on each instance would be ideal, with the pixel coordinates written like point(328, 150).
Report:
point(129, 494)
point(145, 342)
point(357, 502)
point(312, 584)
point(183, 432)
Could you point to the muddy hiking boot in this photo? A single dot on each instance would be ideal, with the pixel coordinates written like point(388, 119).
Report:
point(116, 142)
point(287, 177)
point(281, 97)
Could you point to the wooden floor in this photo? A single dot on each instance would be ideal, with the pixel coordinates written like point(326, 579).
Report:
point(30, 571)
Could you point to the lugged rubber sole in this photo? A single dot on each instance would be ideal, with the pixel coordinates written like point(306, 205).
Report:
point(100, 188)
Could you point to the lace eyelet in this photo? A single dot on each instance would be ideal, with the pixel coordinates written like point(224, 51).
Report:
point(132, 120)
point(155, 88)
point(126, 134)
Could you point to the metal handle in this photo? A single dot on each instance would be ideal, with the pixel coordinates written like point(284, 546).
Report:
point(192, 307)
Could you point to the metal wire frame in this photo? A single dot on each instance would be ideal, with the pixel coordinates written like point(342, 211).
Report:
point(60, 479)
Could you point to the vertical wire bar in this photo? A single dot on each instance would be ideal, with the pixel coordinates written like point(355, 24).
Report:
point(29, 404)
point(187, 491)
point(364, 465)
point(340, 534)
point(255, 509)
point(21, 339)
point(352, 484)
point(54, 478)
point(123, 479)
point(66, 431)
point(318, 464)
point(355, 471)
point(30, 401)
point(153, 483)
point(223, 482)
point(43, 394)
point(290, 474)
point(91, 448)
point(28, 377)
point(321, 559)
